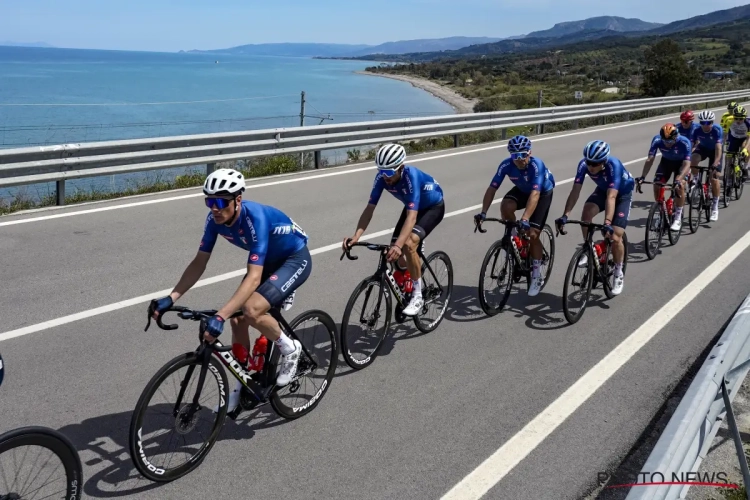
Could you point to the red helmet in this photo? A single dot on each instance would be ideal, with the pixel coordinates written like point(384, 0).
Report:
point(687, 116)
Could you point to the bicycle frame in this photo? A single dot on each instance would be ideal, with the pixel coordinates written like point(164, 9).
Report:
point(589, 242)
point(509, 225)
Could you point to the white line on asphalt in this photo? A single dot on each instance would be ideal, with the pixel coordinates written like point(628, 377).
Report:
point(209, 281)
point(510, 454)
point(319, 176)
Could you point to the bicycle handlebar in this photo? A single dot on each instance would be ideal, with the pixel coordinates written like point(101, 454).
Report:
point(478, 224)
point(186, 313)
point(370, 246)
point(668, 186)
point(591, 225)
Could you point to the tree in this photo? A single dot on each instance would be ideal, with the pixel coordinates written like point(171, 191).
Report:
point(667, 70)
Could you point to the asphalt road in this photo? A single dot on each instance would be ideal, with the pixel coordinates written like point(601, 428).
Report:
point(429, 411)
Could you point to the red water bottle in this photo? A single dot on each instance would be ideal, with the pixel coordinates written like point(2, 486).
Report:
point(241, 353)
point(599, 246)
point(670, 206)
point(408, 285)
point(398, 275)
point(259, 353)
point(517, 241)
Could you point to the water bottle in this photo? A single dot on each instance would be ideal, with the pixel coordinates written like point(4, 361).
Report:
point(600, 248)
point(408, 285)
point(398, 275)
point(670, 206)
point(259, 353)
point(241, 353)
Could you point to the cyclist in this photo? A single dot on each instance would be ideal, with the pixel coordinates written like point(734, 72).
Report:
point(613, 195)
point(738, 136)
point(708, 138)
point(423, 210)
point(727, 118)
point(687, 125)
point(278, 263)
point(532, 191)
point(675, 159)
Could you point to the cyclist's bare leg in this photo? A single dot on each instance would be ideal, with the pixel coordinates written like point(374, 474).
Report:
point(508, 209)
point(590, 210)
point(254, 312)
point(412, 258)
point(537, 249)
point(618, 248)
point(715, 187)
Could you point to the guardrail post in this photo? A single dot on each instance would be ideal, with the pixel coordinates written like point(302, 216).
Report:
point(317, 159)
point(60, 192)
point(604, 120)
point(503, 133)
point(455, 140)
point(736, 436)
point(575, 124)
point(210, 167)
point(541, 128)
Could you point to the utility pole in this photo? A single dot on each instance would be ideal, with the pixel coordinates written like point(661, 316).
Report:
point(539, 105)
point(302, 124)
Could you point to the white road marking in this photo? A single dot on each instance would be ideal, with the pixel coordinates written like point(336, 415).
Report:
point(208, 281)
point(510, 454)
point(319, 176)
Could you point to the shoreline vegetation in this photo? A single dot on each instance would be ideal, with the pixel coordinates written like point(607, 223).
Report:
point(458, 102)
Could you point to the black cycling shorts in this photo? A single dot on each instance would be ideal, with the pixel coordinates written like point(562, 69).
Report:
point(622, 206)
point(539, 218)
point(710, 154)
point(280, 279)
point(666, 168)
point(427, 220)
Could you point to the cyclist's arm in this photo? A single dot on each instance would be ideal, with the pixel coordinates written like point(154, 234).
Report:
point(364, 220)
point(651, 157)
point(244, 291)
point(191, 275)
point(412, 204)
point(536, 191)
point(717, 160)
point(489, 196)
point(575, 192)
point(609, 207)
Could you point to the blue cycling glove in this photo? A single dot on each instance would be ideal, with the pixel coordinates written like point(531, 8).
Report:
point(607, 229)
point(215, 325)
point(161, 305)
point(525, 225)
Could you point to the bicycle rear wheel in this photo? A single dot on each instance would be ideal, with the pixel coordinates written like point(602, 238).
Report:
point(674, 236)
point(376, 306)
point(174, 417)
point(608, 268)
point(738, 185)
point(696, 208)
point(581, 285)
point(548, 255)
point(22, 475)
point(319, 338)
point(436, 297)
point(497, 268)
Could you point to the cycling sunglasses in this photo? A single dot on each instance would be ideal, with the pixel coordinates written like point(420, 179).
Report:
point(707, 123)
point(219, 203)
point(593, 164)
point(389, 172)
point(521, 155)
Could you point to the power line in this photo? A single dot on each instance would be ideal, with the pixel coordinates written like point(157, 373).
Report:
point(145, 103)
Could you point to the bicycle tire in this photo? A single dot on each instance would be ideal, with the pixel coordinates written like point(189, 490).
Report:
point(674, 236)
point(547, 229)
point(725, 191)
point(695, 208)
point(572, 266)
point(738, 185)
point(449, 266)
point(607, 285)
point(345, 351)
point(142, 464)
point(508, 266)
point(649, 223)
point(293, 413)
point(53, 441)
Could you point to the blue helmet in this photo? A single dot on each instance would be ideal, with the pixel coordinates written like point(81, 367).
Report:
point(596, 151)
point(519, 143)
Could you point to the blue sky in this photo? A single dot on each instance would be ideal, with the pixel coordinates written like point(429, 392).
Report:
point(171, 25)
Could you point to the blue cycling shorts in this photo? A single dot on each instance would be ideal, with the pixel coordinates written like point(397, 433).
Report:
point(280, 279)
point(622, 206)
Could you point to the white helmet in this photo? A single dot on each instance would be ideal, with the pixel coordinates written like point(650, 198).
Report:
point(390, 156)
point(706, 116)
point(224, 182)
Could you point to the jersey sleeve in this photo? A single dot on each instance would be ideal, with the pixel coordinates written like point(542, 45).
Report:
point(209, 235)
point(412, 199)
point(687, 149)
point(499, 176)
point(614, 172)
point(581, 172)
point(259, 248)
point(655, 143)
point(537, 174)
point(719, 133)
point(377, 189)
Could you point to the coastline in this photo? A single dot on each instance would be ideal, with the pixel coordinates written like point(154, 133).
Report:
point(459, 103)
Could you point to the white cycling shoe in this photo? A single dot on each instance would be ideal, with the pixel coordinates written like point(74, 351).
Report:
point(289, 365)
point(415, 305)
point(536, 285)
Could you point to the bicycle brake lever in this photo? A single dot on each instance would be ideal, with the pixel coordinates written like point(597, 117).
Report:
point(148, 323)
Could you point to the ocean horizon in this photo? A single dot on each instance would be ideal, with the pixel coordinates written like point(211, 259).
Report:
point(59, 96)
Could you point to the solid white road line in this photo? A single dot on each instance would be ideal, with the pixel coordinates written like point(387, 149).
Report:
point(209, 281)
point(500, 463)
point(345, 171)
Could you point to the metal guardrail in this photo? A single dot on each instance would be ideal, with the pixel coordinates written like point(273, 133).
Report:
point(686, 439)
point(70, 161)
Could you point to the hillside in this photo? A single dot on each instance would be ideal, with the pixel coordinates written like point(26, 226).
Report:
point(425, 45)
point(611, 23)
point(719, 16)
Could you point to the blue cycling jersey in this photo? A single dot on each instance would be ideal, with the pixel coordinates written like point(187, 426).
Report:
point(708, 140)
point(535, 177)
point(416, 189)
point(687, 132)
point(614, 175)
point(264, 231)
point(680, 150)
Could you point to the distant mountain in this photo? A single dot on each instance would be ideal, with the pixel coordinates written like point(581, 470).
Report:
point(719, 16)
point(424, 45)
point(608, 23)
point(44, 45)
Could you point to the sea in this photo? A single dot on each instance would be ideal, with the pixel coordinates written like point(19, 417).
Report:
point(61, 96)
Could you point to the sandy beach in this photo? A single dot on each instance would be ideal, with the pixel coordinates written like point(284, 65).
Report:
point(459, 103)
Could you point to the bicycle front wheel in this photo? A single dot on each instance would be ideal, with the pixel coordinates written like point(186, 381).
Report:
point(654, 230)
point(361, 337)
point(437, 288)
point(316, 331)
point(191, 434)
point(738, 184)
point(496, 272)
point(26, 473)
point(548, 253)
point(578, 286)
point(696, 208)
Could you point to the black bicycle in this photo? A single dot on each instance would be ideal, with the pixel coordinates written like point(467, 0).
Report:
point(38, 462)
point(515, 265)
point(435, 295)
point(208, 404)
point(700, 197)
point(659, 219)
point(733, 176)
point(599, 268)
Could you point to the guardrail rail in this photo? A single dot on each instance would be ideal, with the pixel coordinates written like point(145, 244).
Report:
point(57, 163)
